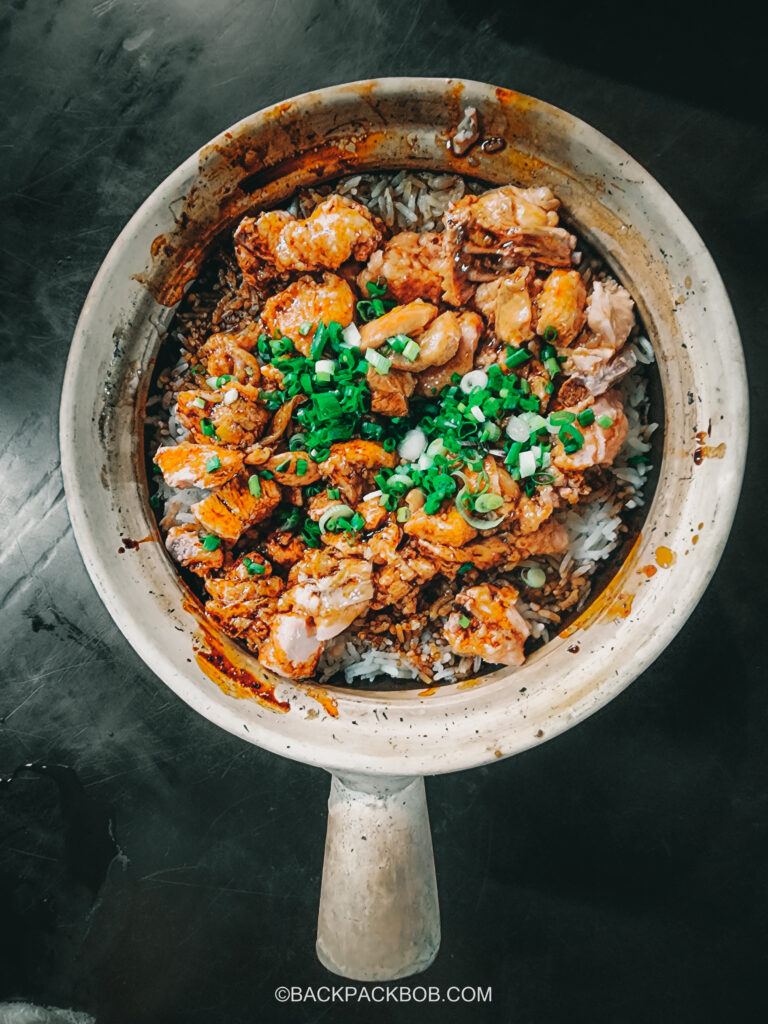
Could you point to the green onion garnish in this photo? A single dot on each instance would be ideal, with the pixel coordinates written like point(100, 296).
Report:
point(284, 464)
point(585, 417)
point(379, 362)
point(411, 351)
point(517, 356)
point(301, 467)
point(403, 514)
point(213, 464)
point(211, 542)
point(207, 427)
point(605, 422)
point(488, 502)
point(463, 621)
point(199, 402)
point(254, 485)
point(535, 577)
point(465, 567)
point(550, 333)
point(333, 493)
point(305, 328)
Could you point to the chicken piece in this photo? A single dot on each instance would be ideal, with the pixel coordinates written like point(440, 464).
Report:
point(289, 464)
point(329, 589)
point(186, 464)
point(550, 539)
point(507, 305)
point(352, 465)
point(601, 444)
point(372, 512)
point(307, 301)
point(418, 267)
point(444, 527)
point(338, 229)
point(532, 511)
point(285, 548)
point(231, 354)
point(400, 580)
point(431, 382)
point(578, 389)
point(411, 266)
point(292, 649)
point(485, 553)
point(239, 416)
point(438, 343)
point(233, 509)
point(390, 391)
point(408, 319)
point(282, 420)
point(522, 225)
point(382, 546)
point(185, 546)
point(243, 601)
point(560, 304)
point(496, 631)
point(610, 314)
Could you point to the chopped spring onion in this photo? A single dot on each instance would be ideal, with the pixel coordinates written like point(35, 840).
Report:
point(371, 495)
point(465, 567)
point(211, 542)
point(463, 621)
point(399, 483)
point(516, 357)
point(478, 524)
point(283, 465)
point(585, 417)
point(231, 395)
point(213, 464)
point(559, 418)
point(544, 478)
point(478, 413)
point(207, 427)
point(570, 434)
point(254, 568)
point(473, 379)
point(333, 493)
point(535, 577)
point(436, 447)
point(491, 432)
point(305, 328)
point(297, 441)
point(325, 366)
point(605, 422)
point(379, 362)
point(211, 382)
point(335, 512)
point(351, 336)
point(301, 467)
point(254, 486)
point(550, 333)
point(412, 445)
point(411, 351)
point(488, 502)
point(199, 402)
point(403, 514)
point(517, 429)
point(527, 464)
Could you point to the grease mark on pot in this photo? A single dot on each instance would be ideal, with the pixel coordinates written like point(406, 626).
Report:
point(665, 557)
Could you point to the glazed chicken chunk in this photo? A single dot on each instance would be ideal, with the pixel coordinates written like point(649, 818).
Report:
point(488, 625)
point(296, 311)
point(337, 230)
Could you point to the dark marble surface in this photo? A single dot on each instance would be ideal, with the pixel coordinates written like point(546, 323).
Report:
point(614, 874)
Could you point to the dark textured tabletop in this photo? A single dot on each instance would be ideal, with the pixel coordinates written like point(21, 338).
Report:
point(617, 873)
